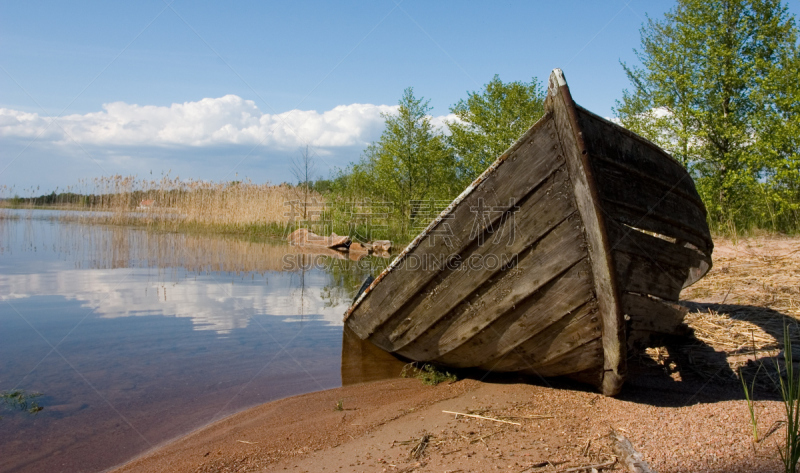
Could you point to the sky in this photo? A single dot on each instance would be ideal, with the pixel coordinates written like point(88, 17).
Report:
point(230, 91)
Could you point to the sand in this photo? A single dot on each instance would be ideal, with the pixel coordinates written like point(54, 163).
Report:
point(682, 409)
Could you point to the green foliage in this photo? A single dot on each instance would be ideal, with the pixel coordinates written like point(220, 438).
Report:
point(491, 121)
point(718, 90)
point(410, 162)
point(751, 407)
point(322, 186)
point(428, 374)
point(414, 171)
point(339, 405)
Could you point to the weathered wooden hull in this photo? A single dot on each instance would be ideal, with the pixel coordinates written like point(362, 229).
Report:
point(566, 253)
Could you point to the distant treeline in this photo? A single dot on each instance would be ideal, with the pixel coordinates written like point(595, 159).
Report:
point(63, 198)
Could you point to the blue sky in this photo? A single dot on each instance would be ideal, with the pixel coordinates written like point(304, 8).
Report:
point(218, 91)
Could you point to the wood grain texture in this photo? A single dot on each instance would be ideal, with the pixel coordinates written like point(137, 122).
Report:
point(643, 186)
point(643, 275)
point(507, 183)
point(606, 141)
point(618, 185)
point(534, 315)
point(542, 211)
point(638, 216)
point(545, 285)
point(653, 315)
point(582, 358)
point(586, 196)
point(574, 329)
point(632, 241)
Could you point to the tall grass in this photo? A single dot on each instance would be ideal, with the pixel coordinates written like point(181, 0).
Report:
point(790, 393)
point(789, 383)
point(172, 204)
point(227, 207)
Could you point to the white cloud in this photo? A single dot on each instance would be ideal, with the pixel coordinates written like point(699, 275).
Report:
point(211, 139)
point(228, 120)
point(210, 304)
point(441, 122)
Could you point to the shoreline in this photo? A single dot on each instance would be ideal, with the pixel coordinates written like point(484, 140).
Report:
point(702, 426)
point(682, 407)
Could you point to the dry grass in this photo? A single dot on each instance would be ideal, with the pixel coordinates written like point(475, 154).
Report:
point(239, 206)
point(750, 293)
point(738, 311)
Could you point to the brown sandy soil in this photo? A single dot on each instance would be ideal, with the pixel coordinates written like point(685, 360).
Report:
point(683, 407)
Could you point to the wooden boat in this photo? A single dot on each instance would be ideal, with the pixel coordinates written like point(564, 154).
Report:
point(569, 251)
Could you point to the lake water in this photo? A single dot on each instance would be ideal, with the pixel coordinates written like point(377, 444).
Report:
point(134, 338)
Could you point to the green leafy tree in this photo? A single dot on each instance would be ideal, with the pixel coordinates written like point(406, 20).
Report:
point(716, 87)
point(779, 130)
point(491, 121)
point(410, 162)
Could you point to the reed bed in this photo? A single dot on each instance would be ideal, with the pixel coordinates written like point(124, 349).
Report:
point(172, 204)
point(111, 247)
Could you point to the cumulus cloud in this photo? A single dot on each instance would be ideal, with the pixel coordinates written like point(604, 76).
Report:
point(228, 120)
point(206, 139)
point(210, 304)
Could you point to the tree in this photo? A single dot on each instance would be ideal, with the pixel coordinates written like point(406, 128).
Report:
point(410, 162)
point(491, 121)
point(706, 92)
point(303, 168)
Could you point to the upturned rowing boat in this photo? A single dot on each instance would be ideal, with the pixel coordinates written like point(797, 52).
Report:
point(567, 252)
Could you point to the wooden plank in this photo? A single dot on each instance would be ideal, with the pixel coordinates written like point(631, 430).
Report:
point(638, 217)
point(642, 275)
point(655, 180)
point(608, 141)
point(610, 145)
point(629, 240)
point(511, 293)
point(582, 358)
point(544, 210)
point(487, 335)
point(653, 315)
point(617, 185)
point(572, 330)
point(522, 170)
point(592, 376)
point(572, 138)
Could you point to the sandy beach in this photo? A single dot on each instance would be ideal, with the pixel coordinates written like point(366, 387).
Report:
point(677, 426)
point(683, 407)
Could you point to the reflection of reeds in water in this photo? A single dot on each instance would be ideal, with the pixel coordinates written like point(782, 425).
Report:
point(110, 247)
point(105, 247)
point(175, 204)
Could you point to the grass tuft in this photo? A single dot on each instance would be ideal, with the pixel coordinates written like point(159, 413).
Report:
point(789, 383)
point(790, 394)
point(428, 374)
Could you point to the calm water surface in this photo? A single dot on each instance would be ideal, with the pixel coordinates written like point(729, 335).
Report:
point(135, 338)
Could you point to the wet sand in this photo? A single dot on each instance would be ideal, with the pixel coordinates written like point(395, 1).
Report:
point(677, 426)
